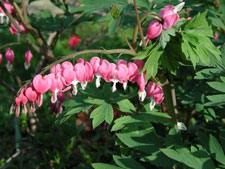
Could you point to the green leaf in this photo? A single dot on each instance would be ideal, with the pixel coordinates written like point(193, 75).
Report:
point(90, 5)
point(216, 99)
point(127, 162)
point(165, 37)
point(151, 65)
point(159, 159)
point(207, 73)
point(126, 106)
point(216, 148)
point(223, 54)
point(218, 86)
point(104, 166)
point(156, 117)
point(217, 22)
point(183, 155)
point(144, 54)
point(94, 101)
point(199, 25)
point(222, 138)
point(173, 137)
point(143, 3)
point(171, 154)
point(140, 136)
point(101, 113)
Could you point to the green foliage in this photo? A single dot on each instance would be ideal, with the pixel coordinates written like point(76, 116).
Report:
point(89, 5)
point(103, 112)
point(195, 44)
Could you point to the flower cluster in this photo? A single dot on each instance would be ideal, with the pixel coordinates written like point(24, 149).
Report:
point(66, 76)
point(9, 56)
point(11, 10)
point(169, 16)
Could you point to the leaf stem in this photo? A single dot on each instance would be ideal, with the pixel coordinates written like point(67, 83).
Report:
point(124, 36)
point(139, 25)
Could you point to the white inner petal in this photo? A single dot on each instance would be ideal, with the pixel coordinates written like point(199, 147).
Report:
point(178, 7)
point(9, 66)
point(125, 85)
point(74, 84)
point(142, 95)
point(97, 82)
point(152, 104)
point(181, 126)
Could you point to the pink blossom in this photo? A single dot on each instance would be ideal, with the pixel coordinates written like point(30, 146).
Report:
point(169, 15)
point(141, 83)
point(8, 7)
point(17, 101)
point(132, 71)
point(41, 85)
point(13, 29)
point(0, 58)
point(74, 40)
point(31, 94)
point(155, 93)
point(9, 56)
point(122, 74)
point(216, 36)
point(154, 30)
point(24, 100)
point(57, 85)
point(28, 57)
point(56, 69)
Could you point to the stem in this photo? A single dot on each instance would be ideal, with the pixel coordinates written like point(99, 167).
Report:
point(24, 9)
point(217, 3)
point(139, 25)
point(136, 31)
point(10, 44)
point(169, 98)
point(124, 36)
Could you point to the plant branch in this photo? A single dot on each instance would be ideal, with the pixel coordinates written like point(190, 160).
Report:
point(10, 159)
point(10, 44)
point(169, 97)
point(24, 9)
point(9, 88)
point(139, 25)
point(124, 36)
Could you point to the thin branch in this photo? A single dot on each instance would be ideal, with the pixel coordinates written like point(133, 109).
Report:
point(10, 44)
point(124, 36)
point(139, 25)
point(10, 159)
point(9, 88)
point(24, 9)
point(136, 31)
point(42, 59)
